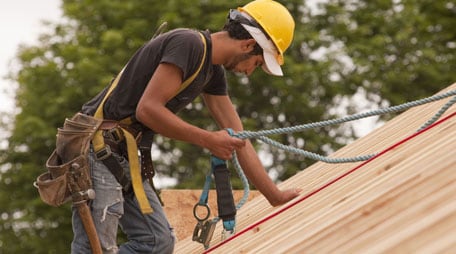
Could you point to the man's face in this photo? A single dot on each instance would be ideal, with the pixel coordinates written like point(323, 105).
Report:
point(244, 63)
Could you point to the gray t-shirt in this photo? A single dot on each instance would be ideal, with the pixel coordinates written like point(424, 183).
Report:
point(181, 47)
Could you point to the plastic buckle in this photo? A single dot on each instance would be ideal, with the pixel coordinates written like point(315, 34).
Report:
point(115, 134)
point(103, 153)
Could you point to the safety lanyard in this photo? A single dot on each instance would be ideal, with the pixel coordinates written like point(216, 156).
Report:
point(204, 228)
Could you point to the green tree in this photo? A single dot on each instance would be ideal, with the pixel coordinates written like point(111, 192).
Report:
point(401, 49)
point(395, 50)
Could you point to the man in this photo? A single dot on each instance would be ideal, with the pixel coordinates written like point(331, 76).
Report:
point(254, 35)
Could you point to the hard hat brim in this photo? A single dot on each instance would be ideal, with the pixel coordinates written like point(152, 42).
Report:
point(270, 55)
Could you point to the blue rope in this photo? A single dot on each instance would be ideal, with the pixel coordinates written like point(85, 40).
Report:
point(438, 114)
point(244, 180)
point(261, 135)
point(297, 128)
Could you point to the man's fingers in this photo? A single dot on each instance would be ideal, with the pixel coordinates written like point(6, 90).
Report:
point(238, 143)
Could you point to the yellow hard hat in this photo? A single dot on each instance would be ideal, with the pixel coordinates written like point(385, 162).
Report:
point(276, 21)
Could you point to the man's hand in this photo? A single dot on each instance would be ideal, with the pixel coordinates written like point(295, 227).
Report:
point(222, 145)
point(284, 197)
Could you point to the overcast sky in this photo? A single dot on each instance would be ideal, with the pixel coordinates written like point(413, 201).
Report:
point(20, 23)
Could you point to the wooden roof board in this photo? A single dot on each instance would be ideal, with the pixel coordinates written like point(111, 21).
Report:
point(179, 203)
point(401, 201)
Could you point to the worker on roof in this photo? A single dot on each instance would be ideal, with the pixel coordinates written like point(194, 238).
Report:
point(148, 91)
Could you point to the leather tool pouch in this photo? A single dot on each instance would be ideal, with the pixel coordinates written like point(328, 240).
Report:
point(67, 168)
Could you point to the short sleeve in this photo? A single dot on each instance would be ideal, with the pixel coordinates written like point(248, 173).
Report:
point(184, 50)
point(217, 85)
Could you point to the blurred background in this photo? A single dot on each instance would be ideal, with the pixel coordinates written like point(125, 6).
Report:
point(347, 56)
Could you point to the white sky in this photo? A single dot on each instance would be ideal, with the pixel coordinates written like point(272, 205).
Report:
point(20, 23)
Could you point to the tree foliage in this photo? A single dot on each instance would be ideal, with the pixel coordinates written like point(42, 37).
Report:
point(395, 50)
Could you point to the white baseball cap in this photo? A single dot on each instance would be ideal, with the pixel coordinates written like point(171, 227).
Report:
point(270, 53)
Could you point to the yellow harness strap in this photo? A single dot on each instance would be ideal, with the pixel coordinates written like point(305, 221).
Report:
point(132, 148)
point(191, 78)
point(98, 141)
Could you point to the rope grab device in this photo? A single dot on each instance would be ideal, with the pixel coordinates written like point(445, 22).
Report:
point(205, 227)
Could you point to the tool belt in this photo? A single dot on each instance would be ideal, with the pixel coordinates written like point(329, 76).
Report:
point(73, 144)
point(68, 163)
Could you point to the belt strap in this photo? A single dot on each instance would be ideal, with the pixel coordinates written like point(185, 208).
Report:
point(116, 169)
point(135, 172)
point(148, 171)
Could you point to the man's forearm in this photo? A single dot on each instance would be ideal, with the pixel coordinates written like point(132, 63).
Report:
point(257, 175)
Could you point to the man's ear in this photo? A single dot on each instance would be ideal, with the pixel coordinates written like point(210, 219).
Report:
point(248, 45)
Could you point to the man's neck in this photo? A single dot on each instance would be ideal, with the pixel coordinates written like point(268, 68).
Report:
point(222, 46)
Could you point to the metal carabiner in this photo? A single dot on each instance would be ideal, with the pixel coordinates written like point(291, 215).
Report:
point(205, 228)
point(196, 214)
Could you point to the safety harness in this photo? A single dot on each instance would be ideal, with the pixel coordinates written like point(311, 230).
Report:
point(116, 132)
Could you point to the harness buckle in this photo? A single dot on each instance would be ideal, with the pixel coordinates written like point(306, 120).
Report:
point(104, 153)
point(114, 134)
